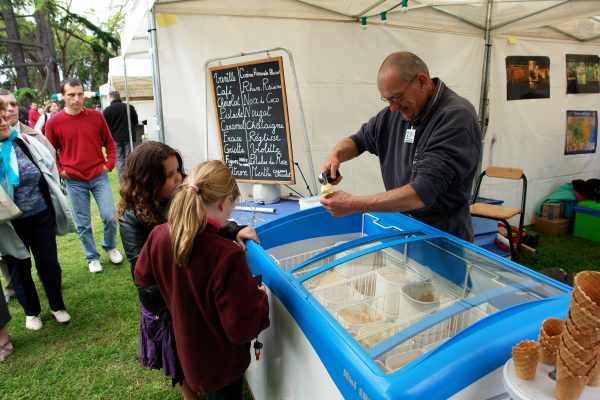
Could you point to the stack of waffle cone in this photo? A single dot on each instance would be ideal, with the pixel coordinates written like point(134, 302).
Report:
point(525, 357)
point(568, 385)
point(578, 361)
point(550, 340)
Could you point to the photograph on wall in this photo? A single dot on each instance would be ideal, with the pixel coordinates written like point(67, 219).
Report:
point(582, 132)
point(527, 77)
point(583, 73)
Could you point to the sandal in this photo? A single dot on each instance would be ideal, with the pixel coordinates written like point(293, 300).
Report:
point(5, 350)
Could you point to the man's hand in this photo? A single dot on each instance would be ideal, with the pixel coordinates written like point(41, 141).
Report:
point(248, 233)
point(64, 175)
point(340, 203)
point(105, 169)
point(331, 167)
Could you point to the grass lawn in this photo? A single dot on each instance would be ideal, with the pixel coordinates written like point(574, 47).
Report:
point(95, 356)
point(567, 252)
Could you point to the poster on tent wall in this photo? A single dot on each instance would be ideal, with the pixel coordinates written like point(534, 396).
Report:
point(527, 77)
point(583, 73)
point(582, 132)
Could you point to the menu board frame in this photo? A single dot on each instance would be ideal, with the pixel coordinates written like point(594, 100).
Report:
point(284, 104)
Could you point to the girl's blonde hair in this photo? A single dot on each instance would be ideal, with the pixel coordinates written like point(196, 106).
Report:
point(208, 183)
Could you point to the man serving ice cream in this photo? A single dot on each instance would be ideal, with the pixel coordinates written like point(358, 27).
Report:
point(428, 143)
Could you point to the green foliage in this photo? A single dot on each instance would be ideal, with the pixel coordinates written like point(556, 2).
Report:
point(26, 92)
point(82, 47)
point(90, 102)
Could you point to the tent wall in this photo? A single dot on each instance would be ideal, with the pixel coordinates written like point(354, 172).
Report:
point(336, 64)
point(530, 134)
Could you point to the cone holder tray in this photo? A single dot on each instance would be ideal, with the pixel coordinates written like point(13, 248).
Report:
point(541, 388)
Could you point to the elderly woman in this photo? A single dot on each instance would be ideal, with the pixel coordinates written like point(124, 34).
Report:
point(32, 213)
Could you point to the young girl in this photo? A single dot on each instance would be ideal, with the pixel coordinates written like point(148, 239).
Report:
point(216, 307)
point(152, 173)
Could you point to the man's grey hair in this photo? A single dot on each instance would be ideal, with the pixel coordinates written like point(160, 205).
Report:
point(115, 95)
point(5, 92)
point(406, 64)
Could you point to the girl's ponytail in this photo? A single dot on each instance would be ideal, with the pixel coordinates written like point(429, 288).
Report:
point(208, 183)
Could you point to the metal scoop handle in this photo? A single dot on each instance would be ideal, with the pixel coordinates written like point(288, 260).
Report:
point(325, 177)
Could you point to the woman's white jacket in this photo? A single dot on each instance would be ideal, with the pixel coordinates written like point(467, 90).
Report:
point(10, 243)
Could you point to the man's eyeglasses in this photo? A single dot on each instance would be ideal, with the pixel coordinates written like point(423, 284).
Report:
point(397, 98)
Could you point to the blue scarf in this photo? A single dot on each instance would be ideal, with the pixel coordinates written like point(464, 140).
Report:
point(9, 169)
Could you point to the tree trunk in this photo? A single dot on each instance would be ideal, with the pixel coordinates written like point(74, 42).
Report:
point(15, 49)
point(46, 39)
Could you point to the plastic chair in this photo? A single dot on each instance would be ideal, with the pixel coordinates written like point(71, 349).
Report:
point(502, 213)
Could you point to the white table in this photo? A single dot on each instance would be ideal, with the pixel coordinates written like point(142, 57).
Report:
point(541, 388)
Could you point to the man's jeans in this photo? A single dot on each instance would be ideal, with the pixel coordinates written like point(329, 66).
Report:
point(123, 150)
point(79, 195)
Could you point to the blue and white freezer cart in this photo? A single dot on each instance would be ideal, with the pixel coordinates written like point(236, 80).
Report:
point(381, 306)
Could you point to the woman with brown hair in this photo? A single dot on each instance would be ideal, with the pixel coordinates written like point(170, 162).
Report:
point(216, 307)
point(152, 173)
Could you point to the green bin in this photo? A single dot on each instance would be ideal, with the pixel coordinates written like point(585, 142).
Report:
point(587, 220)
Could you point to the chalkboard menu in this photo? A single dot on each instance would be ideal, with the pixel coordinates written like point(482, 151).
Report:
point(252, 119)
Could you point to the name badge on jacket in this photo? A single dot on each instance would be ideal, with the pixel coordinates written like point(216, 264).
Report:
point(409, 135)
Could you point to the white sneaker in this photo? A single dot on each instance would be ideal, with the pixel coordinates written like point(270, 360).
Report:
point(33, 323)
point(61, 316)
point(9, 294)
point(115, 256)
point(95, 266)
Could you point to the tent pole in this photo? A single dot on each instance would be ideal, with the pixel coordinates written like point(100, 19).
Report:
point(127, 102)
point(485, 77)
point(156, 88)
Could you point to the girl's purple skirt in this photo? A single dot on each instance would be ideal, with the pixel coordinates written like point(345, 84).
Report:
point(157, 345)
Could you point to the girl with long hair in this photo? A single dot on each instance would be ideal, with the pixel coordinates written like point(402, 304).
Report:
point(152, 173)
point(215, 304)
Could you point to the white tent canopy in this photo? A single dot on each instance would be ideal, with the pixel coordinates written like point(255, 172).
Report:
point(335, 63)
point(139, 77)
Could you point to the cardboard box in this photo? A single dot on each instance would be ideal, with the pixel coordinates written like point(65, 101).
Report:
point(552, 210)
point(552, 227)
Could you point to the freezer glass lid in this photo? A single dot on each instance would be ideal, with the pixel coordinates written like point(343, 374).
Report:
point(402, 296)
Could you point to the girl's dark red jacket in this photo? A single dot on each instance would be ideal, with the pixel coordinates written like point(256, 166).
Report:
point(214, 302)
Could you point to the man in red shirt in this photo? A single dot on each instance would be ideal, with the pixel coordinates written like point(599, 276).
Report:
point(34, 114)
point(79, 134)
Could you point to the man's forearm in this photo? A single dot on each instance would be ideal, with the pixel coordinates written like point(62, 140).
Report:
point(345, 150)
point(401, 199)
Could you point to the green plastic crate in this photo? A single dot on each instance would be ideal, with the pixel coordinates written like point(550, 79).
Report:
point(587, 220)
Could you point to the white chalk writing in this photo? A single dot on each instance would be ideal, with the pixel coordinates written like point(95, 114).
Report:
point(252, 122)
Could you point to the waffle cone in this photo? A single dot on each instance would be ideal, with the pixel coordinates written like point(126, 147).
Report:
point(589, 283)
point(552, 327)
point(589, 339)
point(583, 317)
point(580, 352)
point(583, 299)
point(548, 355)
point(549, 339)
point(525, 359)
point(568, 385)
point(595, 374)
point(575, 365)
